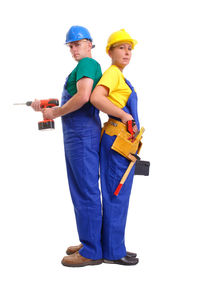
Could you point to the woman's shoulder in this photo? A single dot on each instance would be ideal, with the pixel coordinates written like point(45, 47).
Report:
point(112, 71)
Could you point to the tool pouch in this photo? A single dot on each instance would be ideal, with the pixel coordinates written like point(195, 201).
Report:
point(142, 167)
point(124, 147)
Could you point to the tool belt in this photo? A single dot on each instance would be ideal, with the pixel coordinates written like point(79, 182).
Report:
point(121, 144)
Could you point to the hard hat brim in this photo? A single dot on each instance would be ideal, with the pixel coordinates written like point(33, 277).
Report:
point(77, 41)
point(131, 42)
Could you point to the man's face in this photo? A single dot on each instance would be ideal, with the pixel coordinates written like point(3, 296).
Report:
point(80, 49)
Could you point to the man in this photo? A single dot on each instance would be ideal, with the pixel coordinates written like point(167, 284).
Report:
point(81, 132)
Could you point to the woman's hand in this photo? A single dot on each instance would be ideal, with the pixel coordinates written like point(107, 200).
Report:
point(131, 126)
point(126, 117)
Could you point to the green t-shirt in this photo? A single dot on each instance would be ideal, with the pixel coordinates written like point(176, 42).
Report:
point(87, 67)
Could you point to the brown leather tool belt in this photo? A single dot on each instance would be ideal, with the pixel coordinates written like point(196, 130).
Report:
point(121, 144)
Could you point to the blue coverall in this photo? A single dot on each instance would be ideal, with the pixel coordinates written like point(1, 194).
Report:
point(115, 208)
point(81, 132)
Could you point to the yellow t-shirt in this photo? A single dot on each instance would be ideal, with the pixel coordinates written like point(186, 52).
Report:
point(119, 91)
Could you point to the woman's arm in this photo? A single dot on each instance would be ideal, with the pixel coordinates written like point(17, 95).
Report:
point(99, 100)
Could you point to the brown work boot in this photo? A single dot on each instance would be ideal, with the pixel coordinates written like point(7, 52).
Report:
point(77, 260)
point(72, 249)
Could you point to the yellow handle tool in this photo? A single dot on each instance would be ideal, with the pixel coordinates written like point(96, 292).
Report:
point(133, 159)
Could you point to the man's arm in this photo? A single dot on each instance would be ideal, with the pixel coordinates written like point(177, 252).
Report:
point(84, 89)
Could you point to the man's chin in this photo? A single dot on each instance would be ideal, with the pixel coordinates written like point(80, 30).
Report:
point(77, 58)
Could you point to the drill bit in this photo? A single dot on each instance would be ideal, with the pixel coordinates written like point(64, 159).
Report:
point(26, 103)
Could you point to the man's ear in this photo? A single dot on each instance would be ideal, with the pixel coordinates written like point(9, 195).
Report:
point(90, 44)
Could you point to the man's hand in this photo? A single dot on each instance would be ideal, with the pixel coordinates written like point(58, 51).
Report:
point(36, 105)
point(50, 113)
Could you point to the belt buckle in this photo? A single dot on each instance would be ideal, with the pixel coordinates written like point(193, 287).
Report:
point(113, 123)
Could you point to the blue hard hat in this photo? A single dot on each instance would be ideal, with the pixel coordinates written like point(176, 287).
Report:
point(77, 33)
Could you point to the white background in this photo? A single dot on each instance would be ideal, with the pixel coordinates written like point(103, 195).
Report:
point(36, 214)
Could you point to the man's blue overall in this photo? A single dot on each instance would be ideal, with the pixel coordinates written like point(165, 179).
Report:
point(115, 208)
point(81, 132)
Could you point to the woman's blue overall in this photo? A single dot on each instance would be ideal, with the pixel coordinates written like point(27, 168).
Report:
point(112, 168)
point(81, 132)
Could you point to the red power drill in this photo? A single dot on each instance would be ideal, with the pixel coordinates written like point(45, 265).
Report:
point(45, 124)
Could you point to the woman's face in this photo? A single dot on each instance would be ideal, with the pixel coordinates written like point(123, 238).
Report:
point(121, 55)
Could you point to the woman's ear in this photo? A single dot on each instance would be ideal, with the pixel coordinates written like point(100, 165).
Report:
point(110, 53)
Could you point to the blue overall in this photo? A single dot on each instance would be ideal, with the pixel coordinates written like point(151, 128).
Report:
point(115, 208)
point(81, 132)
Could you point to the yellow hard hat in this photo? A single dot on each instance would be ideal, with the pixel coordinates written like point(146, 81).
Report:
point(118, 37)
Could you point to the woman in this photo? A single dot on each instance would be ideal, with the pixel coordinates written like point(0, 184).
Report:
point(115, 96)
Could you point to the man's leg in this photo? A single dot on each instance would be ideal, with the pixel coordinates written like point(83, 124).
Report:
point(82, 158)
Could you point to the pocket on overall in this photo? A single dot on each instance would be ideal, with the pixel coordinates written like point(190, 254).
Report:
point(113, 165)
